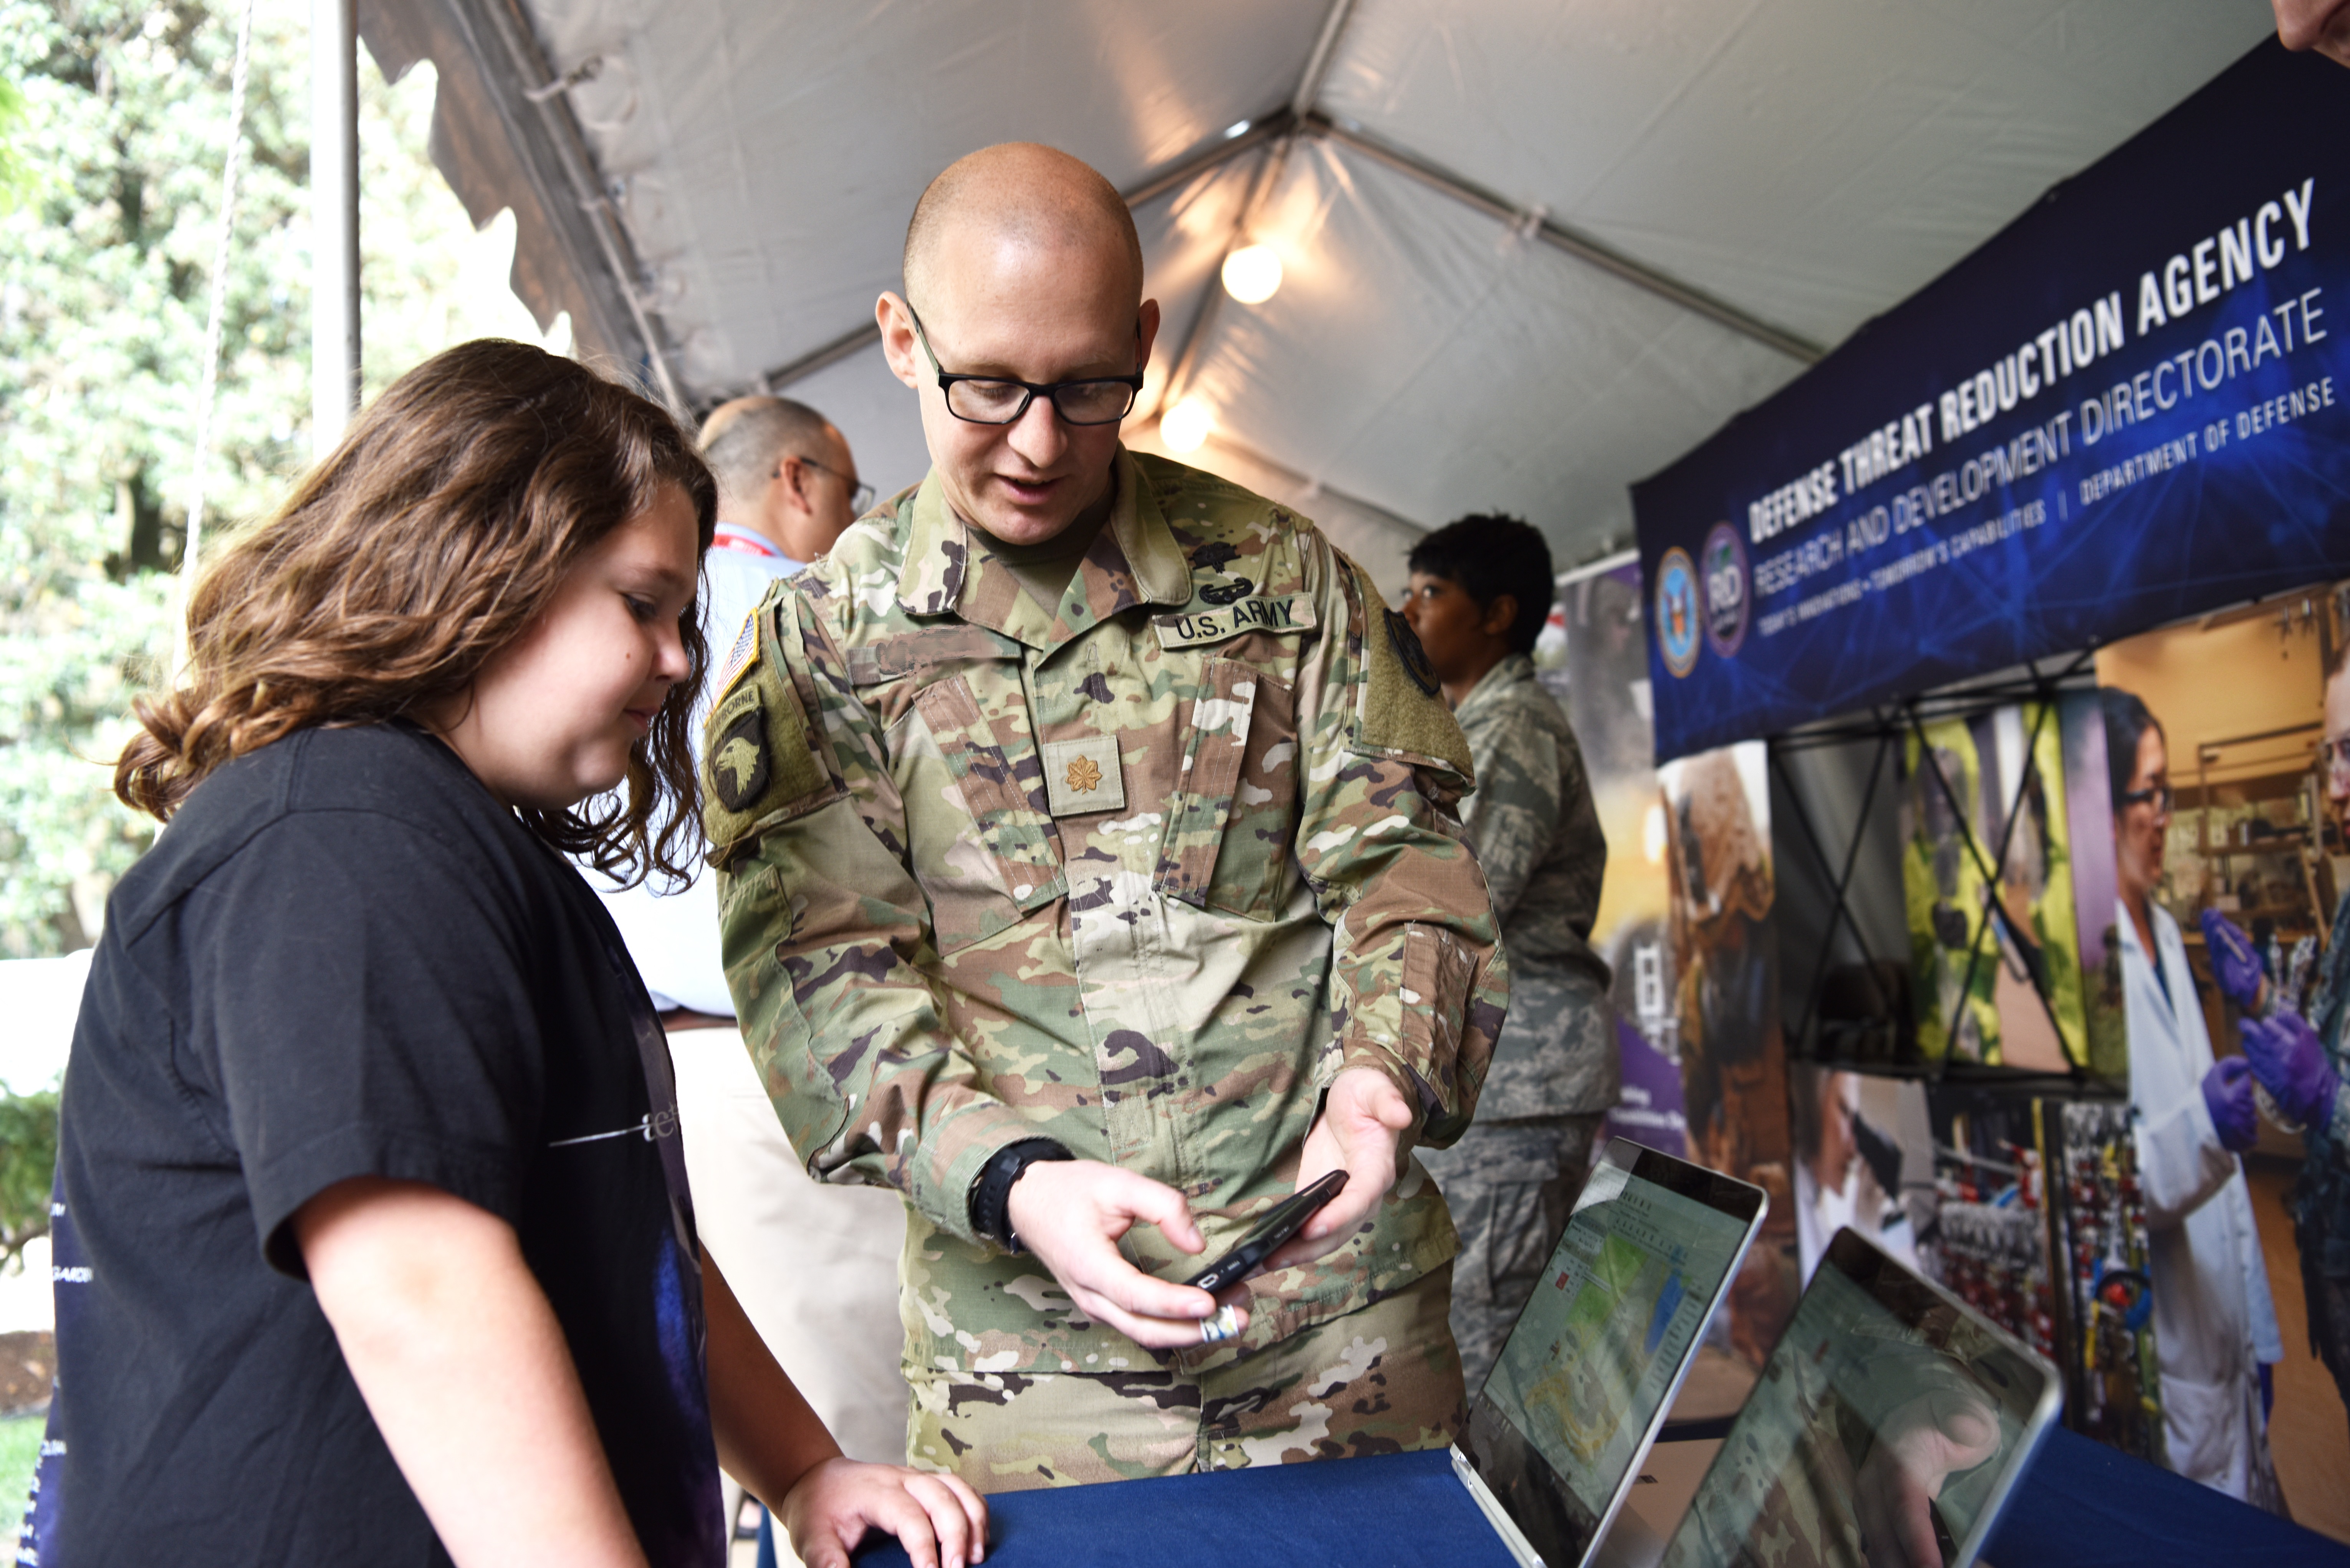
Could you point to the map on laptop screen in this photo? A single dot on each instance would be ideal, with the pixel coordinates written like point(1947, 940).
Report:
point(1584, 1378)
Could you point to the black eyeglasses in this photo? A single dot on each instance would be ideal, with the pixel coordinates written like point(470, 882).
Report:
point(860, 494)
point(2158, 795)
point(2334, 755)
point(999, 401)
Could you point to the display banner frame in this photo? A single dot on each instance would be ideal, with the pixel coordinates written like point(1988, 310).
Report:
point(2129, 406)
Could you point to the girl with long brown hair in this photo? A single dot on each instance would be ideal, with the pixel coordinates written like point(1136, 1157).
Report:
point(375, 1244)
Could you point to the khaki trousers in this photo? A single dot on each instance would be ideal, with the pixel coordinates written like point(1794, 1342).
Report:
point(815, 1266)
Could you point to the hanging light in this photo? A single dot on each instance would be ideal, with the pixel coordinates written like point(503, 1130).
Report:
point(1186, 425)
point(1252, 272)
point(1152, 398)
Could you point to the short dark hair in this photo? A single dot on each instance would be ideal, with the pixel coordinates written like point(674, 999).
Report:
point(1491, 553)
point(2128, 719)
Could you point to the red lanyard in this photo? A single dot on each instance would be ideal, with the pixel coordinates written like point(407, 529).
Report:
point(729, 537)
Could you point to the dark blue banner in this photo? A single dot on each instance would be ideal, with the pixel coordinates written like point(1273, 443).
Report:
point(2132, 404)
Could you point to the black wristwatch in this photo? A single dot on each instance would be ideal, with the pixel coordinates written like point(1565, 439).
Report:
point(992, 1193)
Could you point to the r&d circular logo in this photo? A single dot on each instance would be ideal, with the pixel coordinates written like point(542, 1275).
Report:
point(1725, 582)
point(1677, 617)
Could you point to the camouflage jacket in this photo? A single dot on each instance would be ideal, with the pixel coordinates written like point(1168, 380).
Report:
point(1140, 875)
point(1537, 837)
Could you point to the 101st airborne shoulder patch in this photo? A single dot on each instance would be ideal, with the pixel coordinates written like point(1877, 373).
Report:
point(738, 751)
point(758, 748)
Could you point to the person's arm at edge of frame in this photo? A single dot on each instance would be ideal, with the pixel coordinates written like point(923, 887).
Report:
point(467, 1374)
point(778, 1447)
point(1392, 868)
point(1514, 814)
point(924, 1124)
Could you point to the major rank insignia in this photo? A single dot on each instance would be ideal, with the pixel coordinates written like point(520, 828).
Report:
point(1082, 775)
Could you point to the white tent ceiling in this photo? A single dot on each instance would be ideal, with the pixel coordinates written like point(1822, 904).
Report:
point(1534, 249)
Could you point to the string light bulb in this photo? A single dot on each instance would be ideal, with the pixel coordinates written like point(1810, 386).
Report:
point(1252, 272)
point(1186, 425)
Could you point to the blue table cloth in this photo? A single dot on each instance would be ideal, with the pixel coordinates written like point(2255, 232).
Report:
point(2081, 1506)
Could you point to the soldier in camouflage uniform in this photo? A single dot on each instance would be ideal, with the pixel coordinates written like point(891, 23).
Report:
point(1090, 876)
point(1512, 1179)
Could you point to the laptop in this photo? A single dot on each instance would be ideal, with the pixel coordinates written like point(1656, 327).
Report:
point(1888, 1426)
point(1557, 1435)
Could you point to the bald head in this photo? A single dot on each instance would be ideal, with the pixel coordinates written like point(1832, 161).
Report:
point(784, 473)
point(1025, 269)
point(743, 440)
point(1018, 193)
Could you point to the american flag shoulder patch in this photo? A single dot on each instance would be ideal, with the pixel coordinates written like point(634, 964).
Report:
point(742, 655)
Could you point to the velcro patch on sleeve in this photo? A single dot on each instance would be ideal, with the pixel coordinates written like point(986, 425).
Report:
point(1400, 711)
point(758, 753)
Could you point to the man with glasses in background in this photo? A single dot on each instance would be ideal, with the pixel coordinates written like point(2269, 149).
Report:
point(1091, 876)
point(788, 488)
point(2215, 1327)
point(819, 1264)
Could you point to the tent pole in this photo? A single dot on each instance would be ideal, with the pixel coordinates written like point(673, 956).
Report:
point(1318, 64)
point(334, 222)
point(1539, 226)
point(1301, 112)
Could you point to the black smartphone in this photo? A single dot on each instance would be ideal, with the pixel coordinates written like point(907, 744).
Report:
point(1280, 1222)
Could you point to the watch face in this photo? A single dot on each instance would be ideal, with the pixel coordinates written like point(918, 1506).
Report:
point(990, 1196)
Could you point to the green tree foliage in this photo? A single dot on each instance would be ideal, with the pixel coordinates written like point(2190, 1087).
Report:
point(104, 273)
point(16, 175)
point(28, 1155)
point(106, 254)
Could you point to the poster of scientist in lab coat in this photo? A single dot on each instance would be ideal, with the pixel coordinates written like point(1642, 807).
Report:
point(2215, 1324)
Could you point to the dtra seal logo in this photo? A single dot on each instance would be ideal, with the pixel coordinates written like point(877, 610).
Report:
point(1723, 563)
point(1677, 615)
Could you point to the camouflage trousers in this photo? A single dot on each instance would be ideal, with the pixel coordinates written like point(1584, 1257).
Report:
point(1378, 1381)
point(1510, 1186)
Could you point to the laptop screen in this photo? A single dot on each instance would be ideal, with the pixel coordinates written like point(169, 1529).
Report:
point(1586, 1376)
point(1887, 1427)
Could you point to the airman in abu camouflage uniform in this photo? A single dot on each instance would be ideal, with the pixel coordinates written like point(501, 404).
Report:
point(1512, 1181)
point(1095, 914)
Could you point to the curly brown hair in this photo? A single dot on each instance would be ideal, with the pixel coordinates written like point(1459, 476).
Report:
point(435, 535)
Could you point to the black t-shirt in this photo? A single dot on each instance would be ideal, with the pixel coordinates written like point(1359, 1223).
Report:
point(344, 958)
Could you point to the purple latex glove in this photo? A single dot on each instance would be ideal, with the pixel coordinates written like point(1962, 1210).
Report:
point(2291, 1064)
point(2227, 1093)
point(2235, 962)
